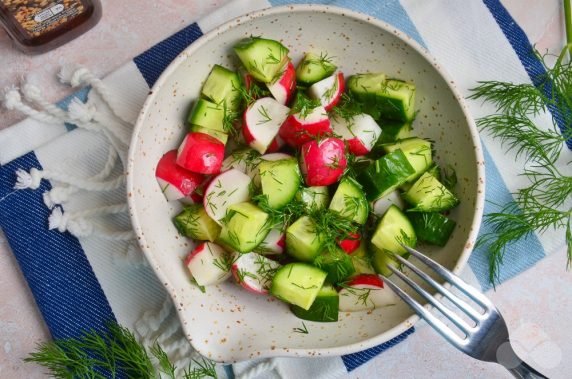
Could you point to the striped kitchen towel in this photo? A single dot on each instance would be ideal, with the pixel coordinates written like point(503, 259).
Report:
point(62, 200)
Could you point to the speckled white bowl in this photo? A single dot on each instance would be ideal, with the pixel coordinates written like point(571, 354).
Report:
point(227, 323)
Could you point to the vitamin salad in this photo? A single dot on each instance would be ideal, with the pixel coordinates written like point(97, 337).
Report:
point(303, 184)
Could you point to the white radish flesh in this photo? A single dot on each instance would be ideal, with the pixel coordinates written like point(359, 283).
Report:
point(381, 205)
point(361, 132)
point(262, 121)
point(365, 292)
point(228, 188)
point(283, 87)
point(209, 264)
point(328, 90)
point(254, 272)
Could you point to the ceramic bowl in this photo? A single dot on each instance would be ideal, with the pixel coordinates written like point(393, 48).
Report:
point(226, 323)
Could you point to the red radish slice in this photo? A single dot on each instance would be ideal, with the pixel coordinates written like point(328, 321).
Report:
point(283, 87)
point(228, 188)
point(365, 292)
point(254, 272)
point(274, 243)
point(383, 204)
point(350, 244)
point(328, 90)
point(276, 144)
point(261, 122)
point(201, 153)
point(175, 182)
point(297, 130)
point(361, 132)
point(323, 162)
point(209, 264)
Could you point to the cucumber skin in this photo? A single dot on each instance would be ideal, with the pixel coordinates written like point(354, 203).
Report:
point(433, 228)
point(310, 281)
point(385, 175)
point(324, 308)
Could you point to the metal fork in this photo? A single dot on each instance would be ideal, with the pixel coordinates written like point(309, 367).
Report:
point(483, 341)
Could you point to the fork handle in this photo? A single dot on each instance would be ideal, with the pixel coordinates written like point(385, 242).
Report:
point(524, 371)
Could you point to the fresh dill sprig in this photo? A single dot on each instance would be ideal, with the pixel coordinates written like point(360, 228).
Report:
point(113, 352)
point(546, 202)
point(303, 105)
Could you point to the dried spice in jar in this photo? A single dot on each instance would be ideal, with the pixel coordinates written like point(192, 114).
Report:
point(37, 26)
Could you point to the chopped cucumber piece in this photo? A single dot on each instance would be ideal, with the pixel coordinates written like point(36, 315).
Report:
point(392, 130)
point(381, 259)
point(350, 202)
point(428, 194)
point(280, 181)
point(383, 98)
point(262, 58)
point(195, 223)
point(207, 114)
point(336, 263)
point(393, 230)
point(385, 175)
point(298, 284)
point(302, 240)
point(314, 197)
point(244, 227)
point(222, 87)
point(323, 309)
point(417, 151)
point(221, 136)
point(314, 68)
point(433, 228)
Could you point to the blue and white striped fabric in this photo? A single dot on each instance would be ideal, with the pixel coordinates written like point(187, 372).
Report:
point(80, 283)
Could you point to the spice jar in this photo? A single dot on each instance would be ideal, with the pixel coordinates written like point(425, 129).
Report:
point(37, 26)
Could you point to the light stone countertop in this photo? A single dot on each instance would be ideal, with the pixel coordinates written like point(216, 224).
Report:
point(536, 304)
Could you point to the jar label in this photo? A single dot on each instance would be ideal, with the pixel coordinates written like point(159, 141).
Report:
point(37, 17)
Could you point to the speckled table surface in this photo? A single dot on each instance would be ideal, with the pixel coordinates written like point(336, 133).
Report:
point(536, 304)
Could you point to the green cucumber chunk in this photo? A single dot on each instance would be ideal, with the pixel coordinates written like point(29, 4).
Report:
point(381, 260)
point(262, 58)
point(194, 222)
point(417, 151)
point(383, 98)
point(428, 194)
point(361, 259)
point(314, 68)
point(432, 227)
point(302, 240)
point(244, 227)
point(298, 284)
point(207, 114)
point(336, 263)
point(222, 87)
point(280, 181)
point(392, 131)
point(323, 309)
point(317, 197)
point(221, 136)
point(385, 175)
point(393, 230)
point(350, 202)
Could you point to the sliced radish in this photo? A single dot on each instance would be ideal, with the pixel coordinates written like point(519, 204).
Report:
point(209, 264)
point(323, 162)
point(274, 242)
point(283, 87)
point(244, 160)
point(350, 244)
point(261, 122)
point(228, 188)
point(381, 205)
point(276, 144)
point(365, 292)
point(254, 272)
point(329, 90)
point(297, 129)
point(361, 132)
point(201, 153)
point(176, 182)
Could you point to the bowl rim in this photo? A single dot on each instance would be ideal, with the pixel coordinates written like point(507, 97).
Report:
point(338, 11)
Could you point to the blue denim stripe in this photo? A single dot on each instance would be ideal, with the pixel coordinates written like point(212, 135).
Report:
point(519, 255)
point(154, 61)
point(531, 63)
point(389, 11)
point(353, 361)
point(57, 270)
